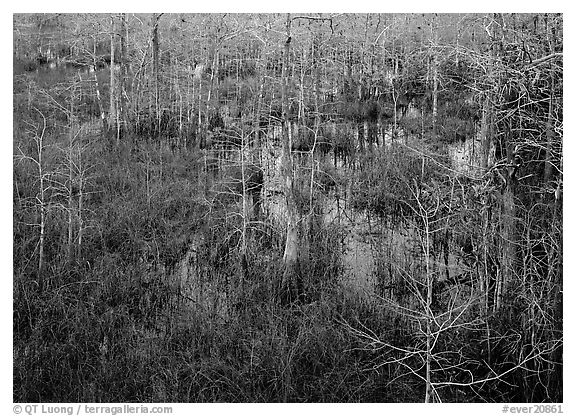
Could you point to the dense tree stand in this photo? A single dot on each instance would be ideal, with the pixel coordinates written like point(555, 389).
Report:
point(288, 208)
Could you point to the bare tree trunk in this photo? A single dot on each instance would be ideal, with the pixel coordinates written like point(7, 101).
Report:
point(80, 204)
point(509, 226)
point(98, 94)
point(486, 132)
point(42, 219)
point(212, 109)
point(261, 82)
point(395, 124)
point(509, 222)
point(42, 201)
point(434, 74)
point(42, 233)
point(189, 110)
point(122, 121)
point(549, 166)
point(245, 217)
point(112, 114)
point(289, 287)
point(71, 179)
point(429, 285)
point(301, 91)
point(156, 67)
point(316, 89)
point(199, 133)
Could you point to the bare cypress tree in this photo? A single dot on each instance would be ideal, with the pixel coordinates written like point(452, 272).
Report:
point(156, 66)
point(289, 285)
point(112, 113)
point(42, 199)
point(434, 47)
point(118, 71)
point(123, 34)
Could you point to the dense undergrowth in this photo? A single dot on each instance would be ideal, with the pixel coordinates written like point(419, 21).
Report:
point(110, 327)
point(113, 326)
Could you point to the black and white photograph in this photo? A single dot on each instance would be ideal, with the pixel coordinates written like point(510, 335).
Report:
point(287, 208)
